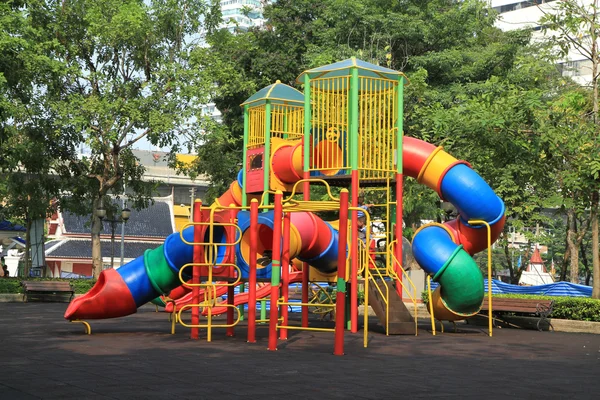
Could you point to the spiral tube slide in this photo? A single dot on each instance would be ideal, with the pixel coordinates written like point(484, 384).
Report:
point(311, 239)
point(444, 251)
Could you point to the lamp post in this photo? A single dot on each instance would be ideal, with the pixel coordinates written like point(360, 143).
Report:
point(125, 214)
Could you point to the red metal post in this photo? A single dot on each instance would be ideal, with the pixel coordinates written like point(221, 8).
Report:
point(340, 300)
point(354, 258)
point(275, 272)
point(398, 251)
point(252, 273)
point(305, 267)
point(196, 269)
point(285, 274)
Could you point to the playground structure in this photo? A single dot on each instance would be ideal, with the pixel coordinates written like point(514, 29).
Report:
point(345, 130)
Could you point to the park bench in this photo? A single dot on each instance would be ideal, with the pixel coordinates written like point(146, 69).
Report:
point(523, 307)
point(47, 291)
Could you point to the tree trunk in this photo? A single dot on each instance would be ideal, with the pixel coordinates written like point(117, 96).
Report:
point(510, 265)
point(567, 255)
point(96, 245)
point(27, 256)
point(573, 247)
point(595, 255)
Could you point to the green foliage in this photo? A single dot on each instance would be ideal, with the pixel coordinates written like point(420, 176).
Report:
point(10, 286)
point(575, 308)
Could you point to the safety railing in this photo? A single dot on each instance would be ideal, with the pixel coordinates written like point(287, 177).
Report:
point(400, 280)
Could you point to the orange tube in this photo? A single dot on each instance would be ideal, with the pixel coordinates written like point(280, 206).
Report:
point(287, 162)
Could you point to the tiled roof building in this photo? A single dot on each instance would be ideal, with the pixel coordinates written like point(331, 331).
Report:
point(69, 252)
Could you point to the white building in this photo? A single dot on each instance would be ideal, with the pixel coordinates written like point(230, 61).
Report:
point(241, 14)
point(536, 273)
point(237, 15)
point(526, 14)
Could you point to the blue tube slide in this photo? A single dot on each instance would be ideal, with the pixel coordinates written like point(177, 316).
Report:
point(433, 258)
point(471, 195)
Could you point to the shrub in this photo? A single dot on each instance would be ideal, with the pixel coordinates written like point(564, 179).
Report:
point(10, 286)
point(574, 308)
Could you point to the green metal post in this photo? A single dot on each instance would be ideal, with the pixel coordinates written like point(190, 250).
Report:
point(245, 156)
point(353, 139)
point(267, 155)
point(307, 123)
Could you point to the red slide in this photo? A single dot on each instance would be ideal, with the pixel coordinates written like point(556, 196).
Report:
point(261, 292)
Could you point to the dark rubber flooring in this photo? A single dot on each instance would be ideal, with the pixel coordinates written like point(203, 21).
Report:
point(42, 356)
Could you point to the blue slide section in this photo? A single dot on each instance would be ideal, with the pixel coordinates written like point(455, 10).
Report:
point(471, 195)
point(136, 278)
point(433, 258)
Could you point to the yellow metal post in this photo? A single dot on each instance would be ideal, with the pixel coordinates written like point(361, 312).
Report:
point(430, 304)
point(489, 243)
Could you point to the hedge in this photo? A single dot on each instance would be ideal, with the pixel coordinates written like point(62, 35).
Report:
point(13, 285)
point(575, 308)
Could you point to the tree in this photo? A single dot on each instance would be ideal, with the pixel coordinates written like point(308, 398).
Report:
point(31, 143)
point(120, 73)
point(575, 26)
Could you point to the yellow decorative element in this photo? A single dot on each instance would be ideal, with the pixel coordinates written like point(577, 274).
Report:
point(182, 215)
point(444, 227)
point(186, 159)
point(312, 180)
point(435, 165)
point(88, 328)
point(489, 265)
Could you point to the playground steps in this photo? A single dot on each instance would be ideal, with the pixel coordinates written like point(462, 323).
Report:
point(401, 321)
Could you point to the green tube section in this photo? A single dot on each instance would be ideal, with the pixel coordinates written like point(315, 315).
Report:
point(461, 284)
point(161, 276)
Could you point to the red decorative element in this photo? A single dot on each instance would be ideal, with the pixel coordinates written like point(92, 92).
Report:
point(109, 298)
point(536, 258)
point(255, 168)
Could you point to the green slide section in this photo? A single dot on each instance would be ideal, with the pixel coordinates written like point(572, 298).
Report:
point(161, 276)
point(462, 283)
point(158, 301)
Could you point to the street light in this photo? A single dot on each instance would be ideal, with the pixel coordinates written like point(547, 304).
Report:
point(125, 214)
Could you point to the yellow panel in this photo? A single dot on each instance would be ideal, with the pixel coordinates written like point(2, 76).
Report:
point(377, 131)
point(329, 122)
point(186, 159)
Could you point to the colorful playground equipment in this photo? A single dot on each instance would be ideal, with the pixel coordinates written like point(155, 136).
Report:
point(345, 130)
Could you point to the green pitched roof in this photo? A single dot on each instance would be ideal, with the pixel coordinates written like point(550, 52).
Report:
point(344, 68)
point(277, 93)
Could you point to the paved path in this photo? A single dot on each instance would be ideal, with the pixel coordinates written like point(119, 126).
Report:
point(43, 356)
